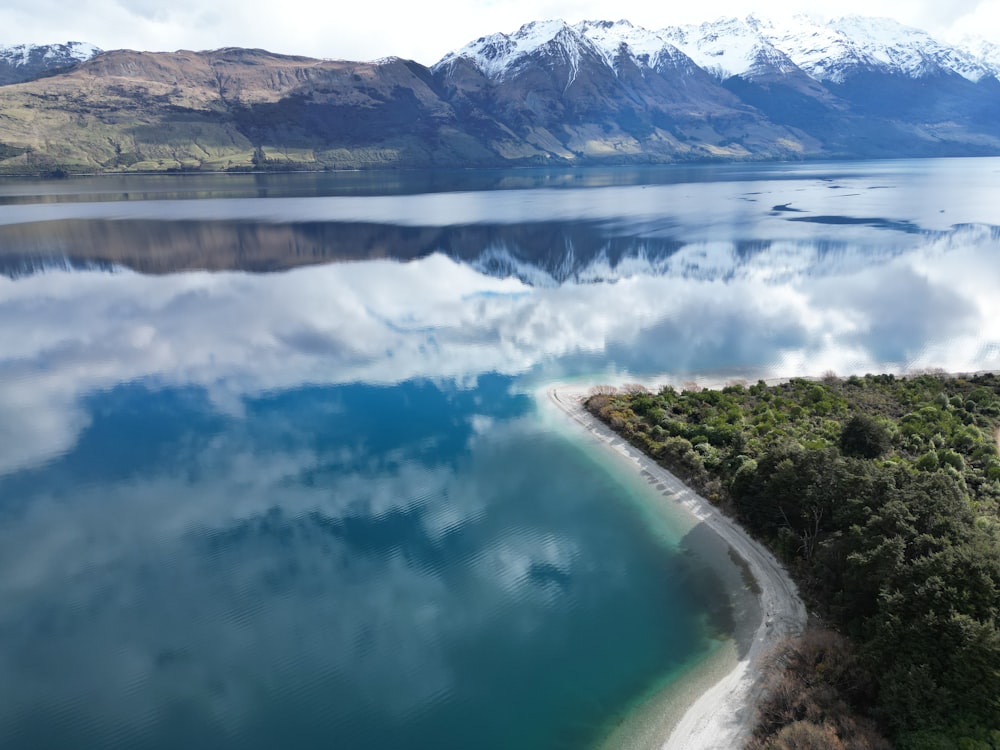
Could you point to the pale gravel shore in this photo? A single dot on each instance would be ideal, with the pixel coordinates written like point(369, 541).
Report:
point(722, 717)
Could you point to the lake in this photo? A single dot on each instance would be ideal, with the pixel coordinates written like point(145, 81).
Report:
point(275, 469)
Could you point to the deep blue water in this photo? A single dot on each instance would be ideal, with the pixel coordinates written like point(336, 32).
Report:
point(272, 472)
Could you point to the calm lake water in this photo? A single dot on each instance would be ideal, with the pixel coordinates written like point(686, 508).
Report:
point(272, 468)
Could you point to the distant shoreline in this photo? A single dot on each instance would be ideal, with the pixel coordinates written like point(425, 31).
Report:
point(722, 715)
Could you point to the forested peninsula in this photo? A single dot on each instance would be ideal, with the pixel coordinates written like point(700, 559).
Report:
point(881, 494)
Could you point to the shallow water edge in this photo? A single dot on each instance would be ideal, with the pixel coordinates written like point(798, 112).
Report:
point(712, 703)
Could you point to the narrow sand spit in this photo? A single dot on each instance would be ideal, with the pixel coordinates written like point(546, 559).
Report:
point(722, 717)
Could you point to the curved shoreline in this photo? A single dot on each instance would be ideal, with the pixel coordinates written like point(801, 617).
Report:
point(722, 716)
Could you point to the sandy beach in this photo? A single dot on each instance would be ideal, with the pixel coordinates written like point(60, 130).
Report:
point(722, 716)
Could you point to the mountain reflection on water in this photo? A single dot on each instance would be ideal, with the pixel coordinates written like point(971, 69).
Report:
point(562, 226)
point(316, 505)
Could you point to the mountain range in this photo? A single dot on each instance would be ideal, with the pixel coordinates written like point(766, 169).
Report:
point(548, 94)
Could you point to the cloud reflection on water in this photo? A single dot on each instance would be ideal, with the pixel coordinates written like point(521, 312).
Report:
point(238, 335)
point(244, 585)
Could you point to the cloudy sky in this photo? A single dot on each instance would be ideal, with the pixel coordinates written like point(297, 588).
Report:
point(420, 31)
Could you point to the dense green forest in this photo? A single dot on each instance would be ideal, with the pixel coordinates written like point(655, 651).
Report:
point(882, 496)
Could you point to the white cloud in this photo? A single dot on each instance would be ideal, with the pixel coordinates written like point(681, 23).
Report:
point(981, 20)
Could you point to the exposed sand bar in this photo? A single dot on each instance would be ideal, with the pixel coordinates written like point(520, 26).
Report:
point(721, 717)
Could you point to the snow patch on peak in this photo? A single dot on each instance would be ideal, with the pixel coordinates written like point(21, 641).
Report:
point(82, 51)
point(728, 47)
point(831, 51)
point(499, 54)
point(825, 51)
point(985, 53)
point(877, 31)
point(821, 51)
point(19, 55)
point(612, 38)
point(533, 35)
point(887, 44)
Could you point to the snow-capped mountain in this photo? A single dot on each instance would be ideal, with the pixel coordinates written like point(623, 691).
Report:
point(620, 40)
point(500, 56)
point(986, 52)
point(601, 90)
point(855, 85)
point(730, 47)
point(23, 62)
point(747, 47)
point(833, 51)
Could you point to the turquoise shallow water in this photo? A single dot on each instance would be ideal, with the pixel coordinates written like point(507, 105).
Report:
point(304, 496)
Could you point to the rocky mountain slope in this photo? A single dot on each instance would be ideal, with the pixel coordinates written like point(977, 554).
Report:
point(230, 108)
point(549, 93)
point(574, 97)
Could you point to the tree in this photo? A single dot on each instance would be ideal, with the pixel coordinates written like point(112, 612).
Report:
point(864, 437)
